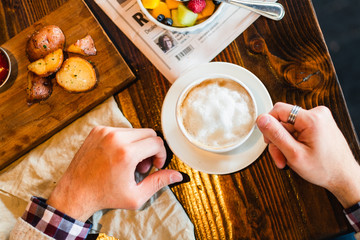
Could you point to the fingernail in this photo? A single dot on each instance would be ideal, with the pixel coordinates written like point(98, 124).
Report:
point(263, 121)
point(183, 178)
point(176, 177)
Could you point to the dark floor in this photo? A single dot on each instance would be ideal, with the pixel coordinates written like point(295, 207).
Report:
point(340, 23)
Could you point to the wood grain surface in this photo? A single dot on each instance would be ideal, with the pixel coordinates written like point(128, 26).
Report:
point(260, 202)
point(24, 127)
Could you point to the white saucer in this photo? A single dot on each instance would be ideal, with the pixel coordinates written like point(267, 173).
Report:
point(209, 162)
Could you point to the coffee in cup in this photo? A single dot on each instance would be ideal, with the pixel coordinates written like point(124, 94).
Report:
point(216, 113)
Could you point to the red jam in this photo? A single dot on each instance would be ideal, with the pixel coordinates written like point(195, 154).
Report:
point(4, 67)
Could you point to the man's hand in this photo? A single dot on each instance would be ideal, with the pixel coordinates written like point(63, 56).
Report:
point(102, 173)
point(315, 148)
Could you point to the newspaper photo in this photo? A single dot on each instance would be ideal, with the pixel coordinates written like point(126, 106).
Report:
point(173, 53)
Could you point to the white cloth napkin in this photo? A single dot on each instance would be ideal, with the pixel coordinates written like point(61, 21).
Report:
point(37, 173)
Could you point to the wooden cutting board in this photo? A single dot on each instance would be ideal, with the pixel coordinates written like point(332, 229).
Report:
point(23, 127)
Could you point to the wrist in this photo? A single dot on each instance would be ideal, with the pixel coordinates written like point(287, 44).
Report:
point(347, 186)
point(347, 200)
point(71, 203)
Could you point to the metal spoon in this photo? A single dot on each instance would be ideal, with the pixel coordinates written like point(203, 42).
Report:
point(270, 10)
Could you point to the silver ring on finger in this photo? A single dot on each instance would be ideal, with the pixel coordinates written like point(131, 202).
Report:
point(293, 114)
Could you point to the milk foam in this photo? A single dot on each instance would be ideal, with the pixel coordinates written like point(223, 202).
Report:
point(218, 113)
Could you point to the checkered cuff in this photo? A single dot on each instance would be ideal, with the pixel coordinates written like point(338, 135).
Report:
point(353, 215)
point(54, 223)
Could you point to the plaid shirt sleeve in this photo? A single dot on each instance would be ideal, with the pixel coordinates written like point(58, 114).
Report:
point(53, 222)
point(353, 215)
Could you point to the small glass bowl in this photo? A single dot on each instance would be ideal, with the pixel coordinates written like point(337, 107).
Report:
point(2, 51)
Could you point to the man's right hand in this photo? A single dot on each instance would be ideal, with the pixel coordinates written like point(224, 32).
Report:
point(102, 173)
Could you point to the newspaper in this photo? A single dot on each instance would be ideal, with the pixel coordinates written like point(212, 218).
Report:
point(188, 49)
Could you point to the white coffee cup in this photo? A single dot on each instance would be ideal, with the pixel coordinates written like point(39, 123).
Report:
point(216, 113)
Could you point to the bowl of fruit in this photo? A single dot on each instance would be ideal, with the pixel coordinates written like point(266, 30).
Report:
point(180, 16)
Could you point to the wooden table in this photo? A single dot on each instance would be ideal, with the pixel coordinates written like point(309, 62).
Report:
point(260, 202)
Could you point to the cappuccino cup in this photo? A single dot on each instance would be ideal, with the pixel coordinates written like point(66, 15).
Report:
point(216, 113)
